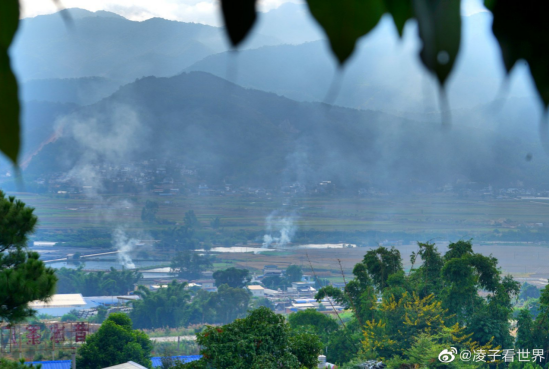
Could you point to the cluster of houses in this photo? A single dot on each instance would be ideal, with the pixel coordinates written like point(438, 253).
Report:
point(300, 296)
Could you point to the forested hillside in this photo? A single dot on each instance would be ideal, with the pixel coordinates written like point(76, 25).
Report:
point(250, 137)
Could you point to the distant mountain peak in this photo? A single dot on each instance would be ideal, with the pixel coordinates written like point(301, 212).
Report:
point(79, 13)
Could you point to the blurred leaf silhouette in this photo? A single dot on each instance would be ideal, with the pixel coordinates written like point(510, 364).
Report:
point(239, 17)
point(519, 26)
point(345, 21)
point(522, 31)
point(9, 101)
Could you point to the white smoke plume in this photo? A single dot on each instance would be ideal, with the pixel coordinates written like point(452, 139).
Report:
point(125, 245)
point(109, 139)
point(279, 230)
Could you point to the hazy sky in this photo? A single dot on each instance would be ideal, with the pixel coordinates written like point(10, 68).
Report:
point(199, 11)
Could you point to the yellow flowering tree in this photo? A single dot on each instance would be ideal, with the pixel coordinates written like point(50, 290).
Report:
point(411, 329)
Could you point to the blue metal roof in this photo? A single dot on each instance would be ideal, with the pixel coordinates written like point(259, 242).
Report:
point(156, 361)
point(58, 364)
point(66, 364)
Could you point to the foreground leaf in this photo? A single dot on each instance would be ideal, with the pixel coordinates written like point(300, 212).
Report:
point(401, 11)
point(522, 31)
point(439, 23)
point(9, 21)
point(9, 100)
point(239, 17)
point(345, 21)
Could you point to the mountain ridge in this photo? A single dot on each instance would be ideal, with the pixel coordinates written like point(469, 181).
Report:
point(246, 136)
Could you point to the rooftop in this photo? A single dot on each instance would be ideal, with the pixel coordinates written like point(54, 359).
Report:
point(156, 363)
point(128, 365)
point(57, 301)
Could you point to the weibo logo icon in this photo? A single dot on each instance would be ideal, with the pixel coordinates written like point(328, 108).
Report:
point(447, 356)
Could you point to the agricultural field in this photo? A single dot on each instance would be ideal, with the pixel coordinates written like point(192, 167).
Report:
point(418, 218)
point(414, 214)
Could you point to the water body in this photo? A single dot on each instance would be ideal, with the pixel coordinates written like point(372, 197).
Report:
point(105, 265)
point(244, 249)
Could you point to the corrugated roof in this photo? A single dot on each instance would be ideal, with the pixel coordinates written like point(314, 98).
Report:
point(157, 361)
point(128, 365)
point(59, 364)
point(60, 300)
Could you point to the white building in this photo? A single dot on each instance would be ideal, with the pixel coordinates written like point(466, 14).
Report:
point(257, 291)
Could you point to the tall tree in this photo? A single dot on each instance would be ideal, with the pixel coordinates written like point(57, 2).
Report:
point(191, 220)
point(381, 263)
point(115, 343)
point(190, 265)
point(230, 303)
point(148, 213)
point(167, 307)
point(323, 325)
point(233, 277)
point(535, 333)
point(114, 282)
point(294, 273)
point(24, 277)
point(263, 339)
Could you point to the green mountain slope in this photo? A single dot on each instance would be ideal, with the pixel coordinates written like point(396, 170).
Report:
point(251, 137)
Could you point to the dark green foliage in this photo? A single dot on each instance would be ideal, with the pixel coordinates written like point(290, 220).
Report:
point(428, 274)
point(533, 306)
point(275, 282)
point(114, 282)
point(189, 264)
point(233, 277)
point(525, 330)
point(523, 33)
point(216, 223)
point(528, 291)
point(294, 273)
point(381, 263)
point(148, 213)
point(344, 344)
point(535, 333)
point(175, 306)
point(452, 281)
point(239, 17)
point(358, 294)
point(178, 238)
point(167, 307)
point(229, 303)
point(71, 316)
point(345, 21)
point(191, 220)
point(306, 347)
point(263, 339)
point(9, 100)
point(24, 277)
point(440, 32)
point(262, 301)
point(323, 325)
point(401, 11)
point(115, 343)
point(8, 364)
